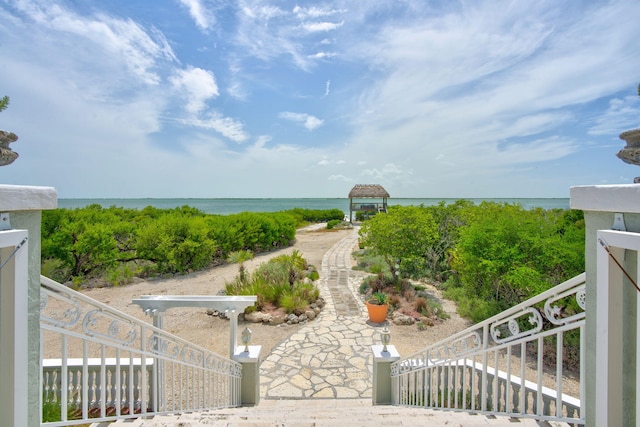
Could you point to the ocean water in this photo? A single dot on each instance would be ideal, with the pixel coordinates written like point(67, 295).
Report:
point(232, 206)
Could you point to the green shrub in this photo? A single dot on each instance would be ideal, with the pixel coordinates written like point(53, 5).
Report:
point(292, 303)
point(54, 269)
point(120, 275)
point(278, 282)
point(331, 224)
point(93, 241)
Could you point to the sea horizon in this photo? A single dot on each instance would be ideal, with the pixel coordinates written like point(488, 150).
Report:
point(227, 206)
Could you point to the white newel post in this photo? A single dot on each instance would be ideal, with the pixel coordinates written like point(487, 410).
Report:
point(250, 385)
point(611, 341)
point(21, 209)
point(14, 351)
point(382, 360)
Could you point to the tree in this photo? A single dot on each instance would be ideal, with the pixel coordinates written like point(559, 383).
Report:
point(404, 234)
point(506, 254)
point(4, 103)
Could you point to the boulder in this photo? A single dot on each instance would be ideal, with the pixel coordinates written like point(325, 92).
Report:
point(257, 317)
point(276, 320)
point(402, 319)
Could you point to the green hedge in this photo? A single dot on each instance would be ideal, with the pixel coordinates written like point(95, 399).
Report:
point(107, 243)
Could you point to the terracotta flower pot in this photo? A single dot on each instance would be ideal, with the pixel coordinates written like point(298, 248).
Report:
point(377, 313)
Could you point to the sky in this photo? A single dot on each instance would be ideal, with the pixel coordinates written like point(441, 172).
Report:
point(279, 98)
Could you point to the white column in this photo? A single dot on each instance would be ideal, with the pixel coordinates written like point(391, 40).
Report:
point(250, 385)
point(609, 350)
point(382, 393)
point(14, 352)
point(233, 333)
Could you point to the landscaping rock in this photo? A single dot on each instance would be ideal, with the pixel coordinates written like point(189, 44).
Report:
point(428, 321)
point(292, 319)
point(276, 320)
point(402, 319)
point(257, 317)
point(310, 314)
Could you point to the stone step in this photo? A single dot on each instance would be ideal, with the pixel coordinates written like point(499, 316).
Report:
point(328, 413)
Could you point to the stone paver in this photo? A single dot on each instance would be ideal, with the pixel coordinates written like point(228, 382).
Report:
point(330, 357)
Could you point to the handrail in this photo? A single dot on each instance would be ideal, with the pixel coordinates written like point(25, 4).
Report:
point(482, 368)
point(111, 365)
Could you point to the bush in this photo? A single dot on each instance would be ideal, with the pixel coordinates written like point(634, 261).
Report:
point(280, 282)
point(94, 242)
point(331, 224)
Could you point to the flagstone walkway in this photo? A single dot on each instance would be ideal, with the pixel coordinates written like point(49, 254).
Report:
point(331, 356)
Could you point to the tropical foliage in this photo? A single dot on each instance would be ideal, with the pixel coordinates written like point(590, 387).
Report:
point(490, 256)
point(115, 244)
point(284, 281)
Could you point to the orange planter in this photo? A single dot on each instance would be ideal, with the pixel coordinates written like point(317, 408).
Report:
point(377, 313)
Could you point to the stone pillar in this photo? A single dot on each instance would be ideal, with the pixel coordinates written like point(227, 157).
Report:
point(382, 393)
point(250, 360)
point(24, 205)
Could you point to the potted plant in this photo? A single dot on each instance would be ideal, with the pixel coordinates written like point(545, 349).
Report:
point(377, 306)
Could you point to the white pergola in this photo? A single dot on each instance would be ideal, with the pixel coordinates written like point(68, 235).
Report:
point(156, 305)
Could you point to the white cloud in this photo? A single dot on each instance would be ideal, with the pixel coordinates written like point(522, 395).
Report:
point(203, 18)
point(309, 121)
point(322, 55)
point(197, 85)
point(135, 48)
point(268, 32)
point(315, 27)
point(621, 115)
point(315, 12)
point(327, 89)
point(232, 129)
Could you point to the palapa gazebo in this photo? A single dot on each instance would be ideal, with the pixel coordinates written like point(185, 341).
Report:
point(367, 191)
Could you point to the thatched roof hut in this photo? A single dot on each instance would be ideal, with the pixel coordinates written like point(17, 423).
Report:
point(367, 191)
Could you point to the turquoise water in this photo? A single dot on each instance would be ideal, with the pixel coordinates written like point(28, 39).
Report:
point(231, 206)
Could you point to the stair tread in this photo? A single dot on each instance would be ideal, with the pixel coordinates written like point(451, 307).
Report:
point(326, 412)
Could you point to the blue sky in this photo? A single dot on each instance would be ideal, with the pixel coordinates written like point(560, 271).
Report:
point(251, 98)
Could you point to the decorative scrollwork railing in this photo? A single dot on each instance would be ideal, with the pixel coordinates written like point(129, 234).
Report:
point(526, 362)
point(101, 365)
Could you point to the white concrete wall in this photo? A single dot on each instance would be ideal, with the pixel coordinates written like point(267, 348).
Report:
point(600, 203)
point(25, 205)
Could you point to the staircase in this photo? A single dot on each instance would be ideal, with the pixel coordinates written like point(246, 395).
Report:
point(328, 412)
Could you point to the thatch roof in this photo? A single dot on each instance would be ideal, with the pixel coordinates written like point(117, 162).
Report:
point(368, 190)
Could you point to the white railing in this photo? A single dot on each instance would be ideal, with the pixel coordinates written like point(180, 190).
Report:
point(99, 364)
point(527, 361)
point(116, 378)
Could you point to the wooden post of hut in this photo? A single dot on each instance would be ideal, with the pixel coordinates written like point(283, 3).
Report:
point(367, 191)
